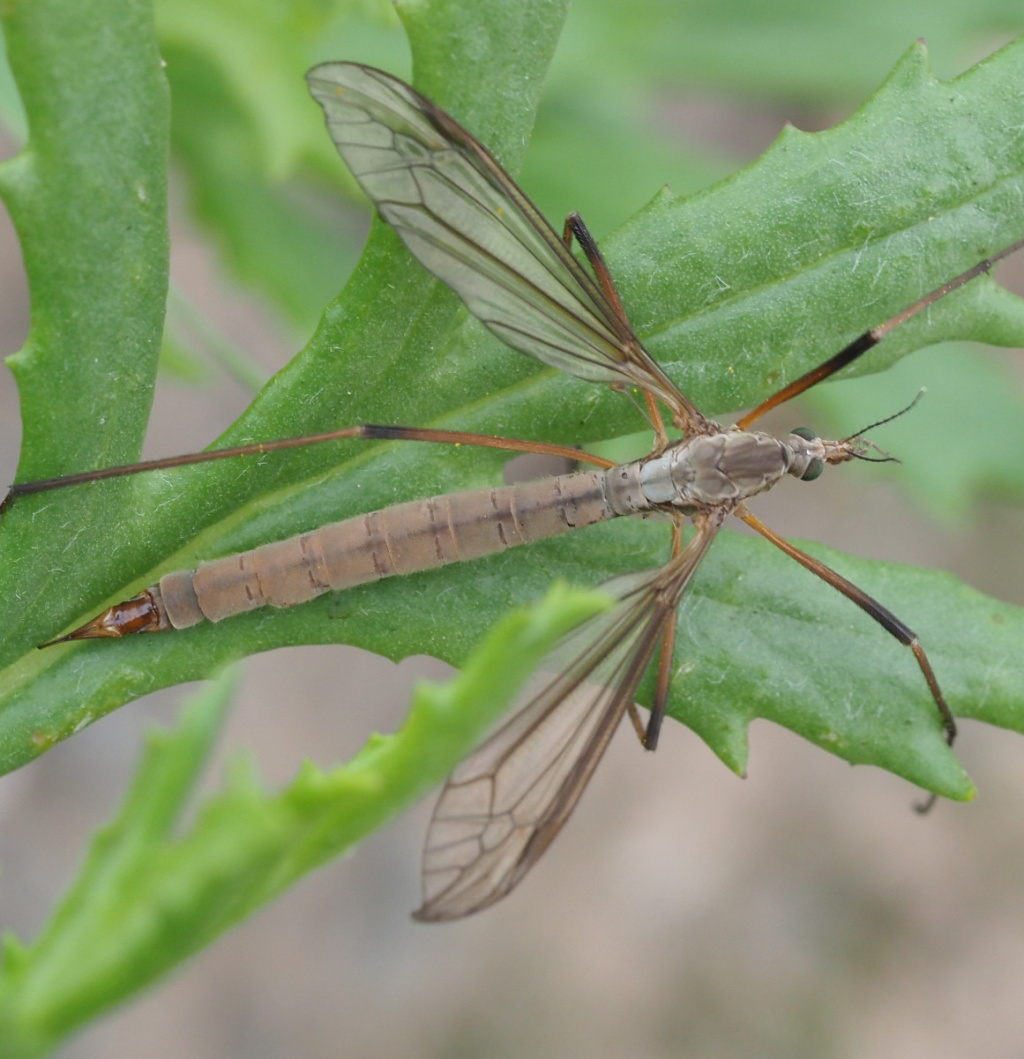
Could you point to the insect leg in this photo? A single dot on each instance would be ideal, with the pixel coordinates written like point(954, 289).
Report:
point(364, 431)
point(638, 725)
point(574, 226)
point(870, 606)
point(664, 681)
point(866, 341)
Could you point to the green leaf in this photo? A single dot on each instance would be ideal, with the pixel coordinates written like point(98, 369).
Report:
point(88, 195)
point(240, 136)
point(816, 52)
point(255, 47)
point(123, 919)
point(761, 638)
point(148, 896)
point(736, 290)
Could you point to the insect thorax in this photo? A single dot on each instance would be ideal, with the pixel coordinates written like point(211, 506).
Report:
point(704, 471)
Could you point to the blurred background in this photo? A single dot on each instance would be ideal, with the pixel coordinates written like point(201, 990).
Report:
point(805, 910)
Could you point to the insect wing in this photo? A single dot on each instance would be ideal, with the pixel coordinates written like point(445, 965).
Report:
point(505, 804)
point(469, 223)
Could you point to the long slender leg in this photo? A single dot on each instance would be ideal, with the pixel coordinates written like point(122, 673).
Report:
point(638, 725)
point(664, 682)
point(870, 606)
point(574, 226)
point(648, 734)
point(871, 338)
point(365, 431)
point(660, 435)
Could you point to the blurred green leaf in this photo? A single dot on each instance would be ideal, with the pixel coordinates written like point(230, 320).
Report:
point(961, 444)
point(149, 894)
point(132, 908)
point(256, 47)
point(179, 362)
point(819, 52)
point(193, 346)
point(237, 152)
point(622, 151)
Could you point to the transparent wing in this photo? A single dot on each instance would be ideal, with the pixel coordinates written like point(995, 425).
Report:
point(467, 221)
point(505, 804)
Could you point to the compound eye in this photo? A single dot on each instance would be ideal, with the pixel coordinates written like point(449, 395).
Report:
point(814, 468)
point(807, 434)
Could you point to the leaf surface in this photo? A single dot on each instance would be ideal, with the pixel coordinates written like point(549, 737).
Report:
point(735, 290)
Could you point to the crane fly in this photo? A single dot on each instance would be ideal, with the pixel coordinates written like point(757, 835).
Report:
point(468, 222)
